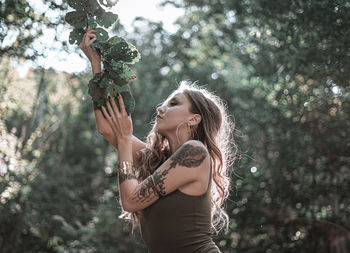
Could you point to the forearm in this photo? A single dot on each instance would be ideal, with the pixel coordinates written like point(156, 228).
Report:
point(136, 196)
point(125, 149)
point(96, 67)
point(127, 180)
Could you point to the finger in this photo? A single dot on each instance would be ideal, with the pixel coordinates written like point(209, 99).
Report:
point(91, 39)
point(113, 111)
point(100, 111)
point(91, 36)
point(105, 113)
point(83, 40)
point(91, 33)
point(87, 42)
point(121, 103)
point(114, 105)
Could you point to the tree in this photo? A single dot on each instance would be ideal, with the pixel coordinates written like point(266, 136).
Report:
point(297, 98)
point(21, 25)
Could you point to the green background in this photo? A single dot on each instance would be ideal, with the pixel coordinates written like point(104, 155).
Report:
point(282, 68)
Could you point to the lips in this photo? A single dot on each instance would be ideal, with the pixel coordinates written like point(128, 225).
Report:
point(158, 117)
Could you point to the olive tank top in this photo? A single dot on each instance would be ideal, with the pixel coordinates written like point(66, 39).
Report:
point(179, 223)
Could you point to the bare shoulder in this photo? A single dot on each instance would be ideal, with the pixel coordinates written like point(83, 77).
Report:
point(194, 143)
point(195, 155)
point(192, 153)
point(198, 145)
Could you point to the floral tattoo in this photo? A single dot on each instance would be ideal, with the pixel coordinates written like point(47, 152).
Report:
point(122, 177)
point(154, 185)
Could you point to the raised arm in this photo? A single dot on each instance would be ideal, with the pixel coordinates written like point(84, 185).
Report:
point(190, 163)
point(103, 126)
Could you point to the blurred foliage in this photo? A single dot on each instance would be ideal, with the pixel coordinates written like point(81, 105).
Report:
point(296, 136)
point(21, 26)
point(54, 198)
point(289, 99)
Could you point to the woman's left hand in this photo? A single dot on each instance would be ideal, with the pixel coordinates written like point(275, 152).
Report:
point(120, 121)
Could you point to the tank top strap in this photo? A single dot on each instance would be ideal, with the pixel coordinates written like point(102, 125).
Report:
point(210, 175)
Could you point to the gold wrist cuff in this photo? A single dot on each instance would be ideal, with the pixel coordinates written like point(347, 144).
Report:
point(126, 167)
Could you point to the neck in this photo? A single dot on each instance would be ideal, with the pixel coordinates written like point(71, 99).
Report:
point(175, 143)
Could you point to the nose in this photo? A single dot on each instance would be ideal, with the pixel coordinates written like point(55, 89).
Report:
point(160, 110)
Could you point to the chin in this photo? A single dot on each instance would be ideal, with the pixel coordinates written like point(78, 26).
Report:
point(160, 133)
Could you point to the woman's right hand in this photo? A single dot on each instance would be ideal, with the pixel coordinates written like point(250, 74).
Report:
point(91, 53)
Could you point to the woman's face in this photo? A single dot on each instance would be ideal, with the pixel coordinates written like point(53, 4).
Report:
point(173, 112)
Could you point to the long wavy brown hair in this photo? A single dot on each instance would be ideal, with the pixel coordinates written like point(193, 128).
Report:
point(216, 131)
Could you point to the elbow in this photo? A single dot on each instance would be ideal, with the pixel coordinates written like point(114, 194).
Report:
point(127, 207)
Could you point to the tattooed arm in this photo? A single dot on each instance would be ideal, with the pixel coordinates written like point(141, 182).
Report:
point(188, 164)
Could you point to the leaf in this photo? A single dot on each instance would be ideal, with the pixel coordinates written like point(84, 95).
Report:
point(105, 19)
point(98, 95)
point(101, 45)
point(108, 3)
point(127, 74)
point(116, 52)
point(128, 99)
point(101, 79)
point(92, 6)
point(112, 92)
point(115, 40)
point(76, 36)
point(101, 34)
point(122, 51)
point(99, 11)
point(123, 88)
point(79, 5)
point(97, 78)
point(116, 64)
point(132, 57)
point(114, 72)
point(120, 73)
point(126, 94)
point(104, 82)
point(78, 19)
point(92, 23)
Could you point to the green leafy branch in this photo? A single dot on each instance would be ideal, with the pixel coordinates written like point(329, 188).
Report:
point(115, 52)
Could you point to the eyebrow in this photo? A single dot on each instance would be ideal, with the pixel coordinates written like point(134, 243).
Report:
point(175, 98)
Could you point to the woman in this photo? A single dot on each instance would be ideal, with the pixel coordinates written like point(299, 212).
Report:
point(175, 184)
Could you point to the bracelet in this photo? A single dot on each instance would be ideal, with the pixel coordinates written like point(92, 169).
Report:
point(126, 167)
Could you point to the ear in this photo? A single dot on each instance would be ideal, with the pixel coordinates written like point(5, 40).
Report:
point(195, 120)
